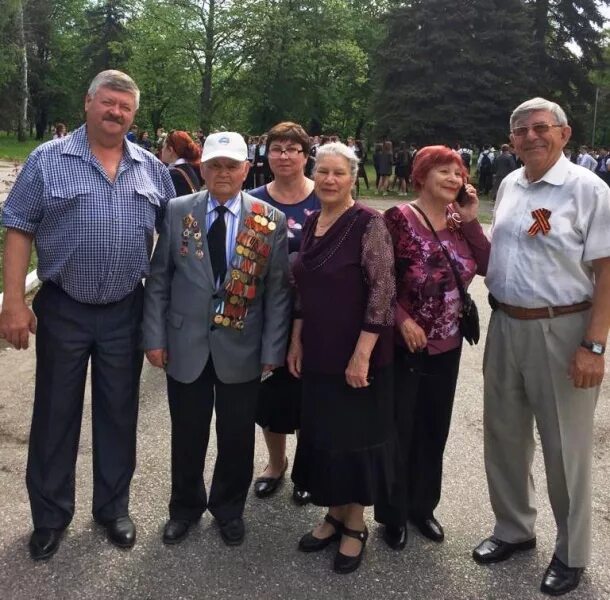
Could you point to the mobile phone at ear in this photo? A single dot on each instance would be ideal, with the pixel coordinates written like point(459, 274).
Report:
point(462, 197)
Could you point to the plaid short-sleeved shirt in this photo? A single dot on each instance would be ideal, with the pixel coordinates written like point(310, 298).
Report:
point(93, 236)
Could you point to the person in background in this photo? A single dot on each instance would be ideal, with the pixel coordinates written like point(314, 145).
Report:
point(182, 155)
point(485, 169)
point(361, 154)
point(262, 174)
point(401, 168)
point(503, 165)
point(144, 141)
point(60, 131)
point(586, 160)
point(251, 143)
point(132, 134)
point(279, 402)
point(385, 161)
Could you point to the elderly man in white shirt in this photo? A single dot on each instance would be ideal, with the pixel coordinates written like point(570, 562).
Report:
point(549, 282)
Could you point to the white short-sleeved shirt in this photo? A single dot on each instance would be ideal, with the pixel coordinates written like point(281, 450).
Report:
point(553, 269)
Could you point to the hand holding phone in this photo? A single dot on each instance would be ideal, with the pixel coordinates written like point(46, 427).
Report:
point(462, 197)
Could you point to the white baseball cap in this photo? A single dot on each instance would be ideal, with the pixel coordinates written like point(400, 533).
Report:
point(225, 144)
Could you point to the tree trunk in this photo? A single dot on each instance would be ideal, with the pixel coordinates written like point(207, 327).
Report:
point(23, 80)
point(205, 115)
point(541, 26)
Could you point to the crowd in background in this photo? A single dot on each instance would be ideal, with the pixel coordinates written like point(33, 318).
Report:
point(391, 162)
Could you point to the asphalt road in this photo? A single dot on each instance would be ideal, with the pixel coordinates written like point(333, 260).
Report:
point(268, 566)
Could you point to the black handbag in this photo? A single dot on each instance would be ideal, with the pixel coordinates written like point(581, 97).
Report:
point(469, 316)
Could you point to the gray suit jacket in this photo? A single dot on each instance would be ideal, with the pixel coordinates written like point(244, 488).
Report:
point(181, 299)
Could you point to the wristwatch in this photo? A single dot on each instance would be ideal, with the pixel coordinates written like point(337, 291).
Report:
point(594, 347)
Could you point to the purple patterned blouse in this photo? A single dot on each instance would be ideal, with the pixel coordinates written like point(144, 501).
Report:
point(426, 288)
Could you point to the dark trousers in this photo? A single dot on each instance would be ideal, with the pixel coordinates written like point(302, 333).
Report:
point(191, 406)
point(68, 335)
point(424, 391)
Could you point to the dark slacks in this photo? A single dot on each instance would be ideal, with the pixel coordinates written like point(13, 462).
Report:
point(70, 333)
point(424, 391)
point(191, 406)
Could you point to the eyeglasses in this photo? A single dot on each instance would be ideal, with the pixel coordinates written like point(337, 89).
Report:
point(537, 128)
point(291, 152)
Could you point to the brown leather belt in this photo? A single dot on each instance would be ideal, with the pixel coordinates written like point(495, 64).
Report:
point(546, 312)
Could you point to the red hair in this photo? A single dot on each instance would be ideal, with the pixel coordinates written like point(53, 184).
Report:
point(434, 156)
point(184, 146)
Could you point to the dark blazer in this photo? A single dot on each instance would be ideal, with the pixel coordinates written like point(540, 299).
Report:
point(181, 298)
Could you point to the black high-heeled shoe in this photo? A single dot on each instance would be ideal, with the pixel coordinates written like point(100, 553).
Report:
point(346, 564)
point(310, 543)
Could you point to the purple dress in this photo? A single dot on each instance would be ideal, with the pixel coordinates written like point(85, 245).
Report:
point(279, 399)
point(345, 284)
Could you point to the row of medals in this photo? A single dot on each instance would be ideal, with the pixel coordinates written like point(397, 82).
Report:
point(251, 256)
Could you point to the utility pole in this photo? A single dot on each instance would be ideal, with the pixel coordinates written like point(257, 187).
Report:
point(594, 117)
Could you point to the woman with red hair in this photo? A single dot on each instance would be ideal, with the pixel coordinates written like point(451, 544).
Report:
point(428, 341)
point(183, 156)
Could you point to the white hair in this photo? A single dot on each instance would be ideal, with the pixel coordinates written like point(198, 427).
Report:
point(339, 149)
point(535, 104)
point(115, 80)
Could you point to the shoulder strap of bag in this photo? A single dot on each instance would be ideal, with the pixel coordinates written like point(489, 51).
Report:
point(458, 279)
point(186, 178)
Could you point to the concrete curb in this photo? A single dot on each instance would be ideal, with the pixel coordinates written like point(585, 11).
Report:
point(31, 283)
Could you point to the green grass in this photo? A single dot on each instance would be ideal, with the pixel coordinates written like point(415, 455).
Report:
point(11, 149)
point(33, 259)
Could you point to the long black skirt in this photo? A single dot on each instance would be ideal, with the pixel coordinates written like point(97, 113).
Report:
point(279, 402)
point(347, 445)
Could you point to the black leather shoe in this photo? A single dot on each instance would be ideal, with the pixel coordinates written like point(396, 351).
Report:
point(395, 537)
point(310, 543)
point(560, 579)
point(176, 530)
point(44, 542)
point(429, 527)
point(300, 497)
point(346, 564)
point(267, 486)
point(121, 532)
point(232, 532)
point(493, 550)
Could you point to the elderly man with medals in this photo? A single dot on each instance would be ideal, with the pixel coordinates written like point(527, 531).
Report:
point(216, 318)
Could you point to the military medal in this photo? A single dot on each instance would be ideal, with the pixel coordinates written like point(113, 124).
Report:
point(252, 252)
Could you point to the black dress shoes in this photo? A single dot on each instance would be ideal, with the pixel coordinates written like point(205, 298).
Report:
point(300, 497)
point(429, 527)
point(232, 532)
point(395, 537)
point(176, 530)
point(493, 550)
point(44, 542)
point(121, 532)
point(310, 543)
point(346, 564)
point(560, 579)
point(266, 486)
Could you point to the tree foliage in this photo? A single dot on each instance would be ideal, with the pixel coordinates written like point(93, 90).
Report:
point(456, 74)
point(425, 70)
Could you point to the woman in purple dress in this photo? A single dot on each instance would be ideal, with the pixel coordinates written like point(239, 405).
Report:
point(279, 402)
point(341, 348)
point(428, 338)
